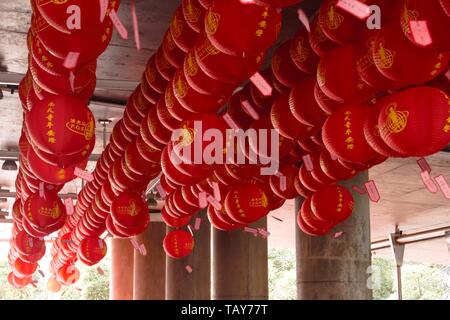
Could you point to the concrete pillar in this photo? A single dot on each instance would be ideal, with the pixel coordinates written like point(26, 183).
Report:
point(121, 274)
point(150, 270)
point(336, 268)
point(240, 266)
point(182, 285)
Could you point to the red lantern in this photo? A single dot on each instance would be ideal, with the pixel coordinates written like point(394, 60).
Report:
point(27, 244)
point(17, 282)
point(218, 223)
point(232, 25)
point(183, 35)
point(309, 223)
point(343, 135)
point(319, 42)
point(129, 210)
point(163, 65)
point(194, 14)
point(436, 18)
point(400, 60)
point(261, 102)
point(300, 188)
point(246, 203)
point(92, 250)
point(307, 180)
point(318, 173)
point(62, 125)
point(178, 244)
point(415, 122)
point(284, 68)
point(235, 111)
point(53, 285)
point(332, 204)
point(23, 269)
point(283, 184)
point(68, 274)
point(302, 54)
point(152, 76)
point(165, 117)
point(171, 51)
point(172, 221)
point(46, 212)
point(338, 78)
point(174, 107)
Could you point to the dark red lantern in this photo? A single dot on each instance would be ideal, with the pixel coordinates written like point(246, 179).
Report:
point(332, 204)
point(309, 223)
point(92, 250)
point(302, 54)
point(130, 211)
point(284, 68)
point(246, 203)
point(178, 244)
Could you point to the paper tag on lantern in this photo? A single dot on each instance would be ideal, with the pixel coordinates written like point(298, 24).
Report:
point(71, 60)
point(202, 203)
point(161, 191)
point(428, 182)
point(41, 190)
point(359, 190)
point(134, 243)
point(443, 185)
point(143, 249)
point(308, 162)
point(83, 174)
point(263, 232)
point(251, 230)
point(100, 243)
point(71, 268)
point(213, 201)
point(250, 110)
point(137, 38)
point(230, 122)
point(188, 268)
point(283, 183)
point(100, 271)
point(447, 74)
point(338, 234)
point(277, 219)
point(333, 157)
point(261, 84)
point(355, 7)
point(68, 202)
point(118, 24)
point(30, 242)
point(372, 191)
point(197, 223)
point(216, 190)
point(103, 8)
point(41, 273)
point(303, 19)
point(419, 30)
point(423, 164)
point(72, 81)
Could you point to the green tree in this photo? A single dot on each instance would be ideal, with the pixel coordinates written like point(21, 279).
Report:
point(282, 275)
point(382, 278)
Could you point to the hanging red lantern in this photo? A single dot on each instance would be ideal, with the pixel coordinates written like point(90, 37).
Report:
point(53, 285)
point(62, 125)
point(307, 180)
point(165, 68)
point(44, 212)
point(237, 114)
point(17, 282)
point(309, 223)
point(284, 68)
point(153, 78)
point(332, 204)
point(165, 117)
point(302, 54)
point(435, 17)
point(138, 164)
point(68, 274)
point(232, 24)
point(338, 78)
point(300, 188)
point(183, 35)
point(171, 51)
point(282, 184)
point(23, 269)
point(194, 14)
point(343, 135)
point(92, 250)
point(178, 244)
point(246, 203)
point(318, 173)
point(319, 42)
point(400, 60)
point(130, 211)
point(219, 223)
point(262, 102)
point(304, 106)
point(27, 244)
point(325, 103)
point(415, 122)
point(172, 221)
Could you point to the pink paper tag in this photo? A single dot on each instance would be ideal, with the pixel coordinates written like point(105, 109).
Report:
point(303, 19)
point(308, 162)
point(188, 268)
point(261, 84)
point(423, 164)
point(197, 223)
point(338, 234)
point(447, 74)
point(372, 191)
point(277, 219)
point(216, 190)
point(251, 230)
point(248, 108)
point(68, 202)
point(41, 190)
point(202, 203)
point(71, 60)
point(118, 24)
point(263, 232)
point(103, 7)
point(161, 191)
point(100, 271)
point(83, 174)
point(333, 157)
point(137, 38)
point(283, 183)
point(443, 185)
point(356, 8)
point(419, 30)
point(359, 190)
point(30, 242)
point(216, 204)
point(230, 122)
point(134, 243)
point(143, 249)
point(72, 81)
point(100, 243)
point(41, 273)
point(428, 182)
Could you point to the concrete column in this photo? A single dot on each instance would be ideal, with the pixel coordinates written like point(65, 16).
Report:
point(150, 270)
point(121, 274)
point(336, 268)
point(240, 266)
point(182, 285)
